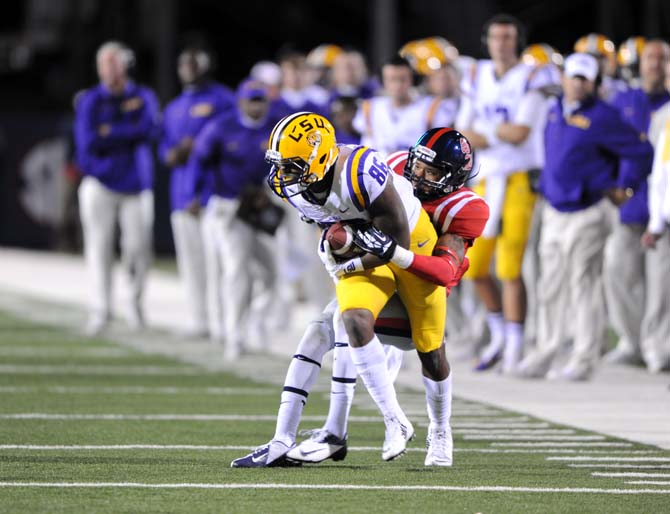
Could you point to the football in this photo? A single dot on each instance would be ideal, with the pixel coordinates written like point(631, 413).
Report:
point(340, 237)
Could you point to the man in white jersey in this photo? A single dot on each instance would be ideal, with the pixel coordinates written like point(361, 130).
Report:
point(499, 105)
point(328, 183)
point(395, 120)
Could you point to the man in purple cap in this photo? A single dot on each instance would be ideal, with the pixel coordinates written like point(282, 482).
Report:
point(585, 139)
point(231, 149)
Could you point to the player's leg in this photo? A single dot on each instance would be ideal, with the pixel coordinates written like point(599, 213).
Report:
point(361, 297)
point(553, 296)
point(510, 248)
point(188, 242)
point(426, 306)
point(486, 286)
point(655, 343)
point(97, 207)
point(302, 373)
point(213, 271)
point(623, 273)
point(135, 251)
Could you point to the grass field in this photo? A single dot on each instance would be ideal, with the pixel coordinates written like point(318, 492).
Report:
point(92, 426)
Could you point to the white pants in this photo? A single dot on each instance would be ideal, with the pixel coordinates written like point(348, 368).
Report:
point(571, 286)
point(637, 285)
point(531, 272)
point(213, 274)
point(100, 208)
point(249, 263)
point(188, 242)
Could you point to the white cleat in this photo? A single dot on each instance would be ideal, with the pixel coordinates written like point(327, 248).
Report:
point(440, 445)
point(396, 438)
point(320, 446)
point(96, 325)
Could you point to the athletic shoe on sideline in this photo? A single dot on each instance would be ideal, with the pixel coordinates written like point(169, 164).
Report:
point(270, 455)
point(320, 446)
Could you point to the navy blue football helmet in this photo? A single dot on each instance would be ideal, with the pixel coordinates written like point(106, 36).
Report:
point(447, 150)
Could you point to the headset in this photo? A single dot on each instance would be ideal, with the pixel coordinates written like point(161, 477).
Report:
point(125, 53)
point(505, 19)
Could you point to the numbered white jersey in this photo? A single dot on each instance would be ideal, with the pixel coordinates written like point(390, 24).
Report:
point(489, 101)
point(361, 180)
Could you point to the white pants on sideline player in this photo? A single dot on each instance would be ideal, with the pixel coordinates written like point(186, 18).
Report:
point(189, 249)
point(249, 266)
point(213, 273)
point(100, 208)
point(571, 256)
point(637, 286)
point(530, 270)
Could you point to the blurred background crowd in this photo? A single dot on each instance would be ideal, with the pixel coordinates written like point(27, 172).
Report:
point(199, 85)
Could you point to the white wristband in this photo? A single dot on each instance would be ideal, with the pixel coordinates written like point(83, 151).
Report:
point(352, 266)
point(402, 257)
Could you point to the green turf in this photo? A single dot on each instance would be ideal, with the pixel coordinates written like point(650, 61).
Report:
point(204, 392)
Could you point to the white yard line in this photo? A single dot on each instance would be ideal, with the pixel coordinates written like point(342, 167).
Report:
point(41, 351)
point(256, 486)
point(19, 369)
point(515, 431)
point(493, 425)
point(564, 445)
point(630, 475)
point(646, 482)
point(620, 459)
point(143, 390)
point(170, 447)
point(535, 438)
point(621, 466)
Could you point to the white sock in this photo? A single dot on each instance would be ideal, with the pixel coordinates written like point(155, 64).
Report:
point(342, 389)
point(370, 361)
point(496, 324)
point(513, 345)
point(394, 357)
point(300, 378)
point(438, 401)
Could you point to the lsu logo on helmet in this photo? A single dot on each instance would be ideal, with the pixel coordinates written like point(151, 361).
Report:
point(301, 149)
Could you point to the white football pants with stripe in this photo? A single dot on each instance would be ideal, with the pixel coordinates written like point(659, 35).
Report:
point(100, 208)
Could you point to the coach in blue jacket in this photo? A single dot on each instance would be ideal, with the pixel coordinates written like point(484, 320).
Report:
point(584, 140)
point(201, 100)
point(116, 124)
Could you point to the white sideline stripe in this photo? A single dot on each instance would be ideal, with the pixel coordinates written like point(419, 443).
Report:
point(482, 488)
point(622, 459)
point(39, 351)
point(563, 445)
point(142, 390)
point(535, 438)
point(628, 466)
point(99, 370)
point(173, 417)
point(460, 424)
point(630, 475)
point(516, 431)
point(83, 447)
point(645, 482)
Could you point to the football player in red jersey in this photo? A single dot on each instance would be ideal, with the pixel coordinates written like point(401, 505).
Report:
point(438, 166)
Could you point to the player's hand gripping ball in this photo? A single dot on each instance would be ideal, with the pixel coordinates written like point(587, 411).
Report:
point(340, 237)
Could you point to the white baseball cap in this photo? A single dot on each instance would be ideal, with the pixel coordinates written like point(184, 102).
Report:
point(581, 65)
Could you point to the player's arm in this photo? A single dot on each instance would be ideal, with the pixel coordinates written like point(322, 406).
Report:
point(516, 131)
point(388, 215)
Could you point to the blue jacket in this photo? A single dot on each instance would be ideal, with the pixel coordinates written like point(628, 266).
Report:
point(582, 155)
point(636, 108)
point(185, 116)
point(114, 136)
point(234, 152)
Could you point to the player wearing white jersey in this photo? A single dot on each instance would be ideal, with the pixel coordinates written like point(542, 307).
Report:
point(499, 107)
point(395, 120)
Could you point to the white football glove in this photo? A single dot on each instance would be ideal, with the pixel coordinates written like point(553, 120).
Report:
point(337, 269)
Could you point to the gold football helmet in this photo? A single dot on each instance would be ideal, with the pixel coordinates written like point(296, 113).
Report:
point(302, 148)
point(540, 54)
point(429, 54)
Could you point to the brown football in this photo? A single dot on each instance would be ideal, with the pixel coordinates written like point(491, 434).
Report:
point(340, 237)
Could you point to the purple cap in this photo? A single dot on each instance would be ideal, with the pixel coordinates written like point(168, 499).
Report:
point(250, 88)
